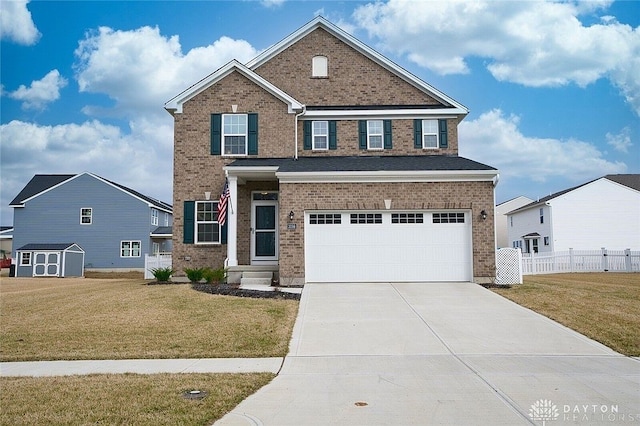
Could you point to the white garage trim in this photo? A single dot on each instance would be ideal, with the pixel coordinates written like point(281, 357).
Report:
point(388, 246)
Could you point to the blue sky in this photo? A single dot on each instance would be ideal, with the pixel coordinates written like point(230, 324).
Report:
point(553, 87)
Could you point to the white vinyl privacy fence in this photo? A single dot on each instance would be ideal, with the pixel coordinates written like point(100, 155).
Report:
point(602, 260)
point(160, 260)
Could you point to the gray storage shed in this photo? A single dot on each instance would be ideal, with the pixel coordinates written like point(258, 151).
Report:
point(50, 260)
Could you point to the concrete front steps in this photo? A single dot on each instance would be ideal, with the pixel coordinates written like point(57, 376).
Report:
point(256, 280)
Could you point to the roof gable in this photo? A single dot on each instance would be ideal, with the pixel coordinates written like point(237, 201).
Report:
point(321, 22)
point(631, 181)
point(41, 184)
point(174, 105)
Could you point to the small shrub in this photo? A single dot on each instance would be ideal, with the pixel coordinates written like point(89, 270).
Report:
point(162, 275)
point(213, 276)
point(194, 275)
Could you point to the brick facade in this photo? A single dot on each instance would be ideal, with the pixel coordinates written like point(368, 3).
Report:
point(354, 80)
point(301, 197)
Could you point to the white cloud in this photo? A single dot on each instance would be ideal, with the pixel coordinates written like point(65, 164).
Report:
point(496, 140)
point(141, 69)
point(142, 160)
point(534, 43)
point(620, 142)
point(41, 92)
point(272, 3)
point(16, 23)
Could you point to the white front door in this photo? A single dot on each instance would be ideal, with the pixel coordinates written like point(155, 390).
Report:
point(264, 229)
point(46, 264)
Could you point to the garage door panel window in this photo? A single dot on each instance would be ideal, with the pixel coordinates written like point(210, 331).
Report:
point(325, 219)
point(448, 218)
point(364, 218)
point(407, 218)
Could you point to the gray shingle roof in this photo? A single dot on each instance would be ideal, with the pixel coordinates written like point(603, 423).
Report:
point(365, 163)
point(40, 183)
point(46, 246)
point(162, 230)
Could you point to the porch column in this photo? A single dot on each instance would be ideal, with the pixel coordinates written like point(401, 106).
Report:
point(232, 222)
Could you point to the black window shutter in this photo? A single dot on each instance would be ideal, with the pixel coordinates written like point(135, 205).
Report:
point(362, 134)
point(442, 125)
point(216, 134)
point(307, 134)
point(388, 144)
point(333, 135)
point(417, 134)
point(253, 133)
point(189, 222)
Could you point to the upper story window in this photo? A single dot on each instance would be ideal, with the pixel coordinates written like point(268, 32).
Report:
point(207, 226)
point(320, 136)
point(541, 215)
point(319, 66)
point(154, 217)
point(374, 134)
point(234, 134)
point(429, 134)
point(166, 219)
point(86, 216)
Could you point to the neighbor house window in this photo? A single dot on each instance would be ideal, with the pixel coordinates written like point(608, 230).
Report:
point(234, 134)
point(511, 221)
point(86, 215)
point(319, 66)
point(517, 244)
point(25, 259)
point(154, 217)
point(155, 248)
point(430, 134)
point(130, 248)
point(207, 226)
point(541, 215)
point(374, 134)
point(166, 219)
point(320, 135)
point(546, 241)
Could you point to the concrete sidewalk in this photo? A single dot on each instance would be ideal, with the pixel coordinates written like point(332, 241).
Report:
point(454, 353)
point(141, 366)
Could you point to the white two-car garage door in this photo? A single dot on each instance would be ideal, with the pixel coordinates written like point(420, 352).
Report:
point(388, 246)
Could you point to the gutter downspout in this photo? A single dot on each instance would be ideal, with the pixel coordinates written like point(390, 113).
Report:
point(295, 150)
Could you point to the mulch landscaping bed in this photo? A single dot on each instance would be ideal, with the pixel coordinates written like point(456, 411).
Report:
point(233, 290)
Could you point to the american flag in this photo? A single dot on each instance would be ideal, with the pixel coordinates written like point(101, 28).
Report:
point(223, 204)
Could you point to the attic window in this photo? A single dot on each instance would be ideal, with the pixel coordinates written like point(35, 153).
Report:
point(320, 66)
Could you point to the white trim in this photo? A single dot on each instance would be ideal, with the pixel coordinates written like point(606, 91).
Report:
point(370, 134)
point(372, 114)
point(223, 135)
point(383, 176)
point(313, 135)
point(174, 105)
point(196, 222)
point(321, 22)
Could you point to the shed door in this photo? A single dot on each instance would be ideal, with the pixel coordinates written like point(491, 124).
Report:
point(382, 246)
point(46, 264)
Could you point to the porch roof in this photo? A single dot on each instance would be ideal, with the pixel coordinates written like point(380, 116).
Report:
point(361, 164)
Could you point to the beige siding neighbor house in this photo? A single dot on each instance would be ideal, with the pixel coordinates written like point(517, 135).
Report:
point(340, 167)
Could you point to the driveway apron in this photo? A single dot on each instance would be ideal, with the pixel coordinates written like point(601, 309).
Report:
point(438, 353)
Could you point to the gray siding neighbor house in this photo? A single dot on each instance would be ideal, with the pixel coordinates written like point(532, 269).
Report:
point(114, 225)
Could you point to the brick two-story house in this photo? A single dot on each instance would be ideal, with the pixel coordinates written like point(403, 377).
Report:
point(341, 167)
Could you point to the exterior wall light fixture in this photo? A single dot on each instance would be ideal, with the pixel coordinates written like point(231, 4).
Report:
point(483, 214)
point(291, 215)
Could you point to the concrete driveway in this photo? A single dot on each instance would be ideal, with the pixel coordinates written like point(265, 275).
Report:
point(450, 353)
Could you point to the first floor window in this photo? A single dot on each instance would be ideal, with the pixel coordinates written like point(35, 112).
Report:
point(155, 248)
point(207, 226)
point(546, 241)
point(234, 134)
point(130, 248)
point(320, 135)
point(374, 134)
point(430, 134)
point(85, 215)
point(25, 259)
